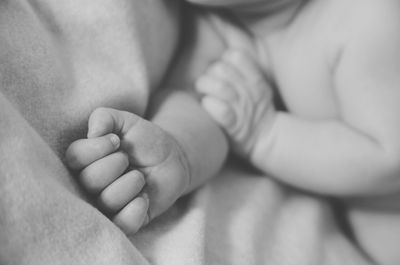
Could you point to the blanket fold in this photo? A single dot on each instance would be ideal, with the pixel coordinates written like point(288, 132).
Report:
point(244, 218)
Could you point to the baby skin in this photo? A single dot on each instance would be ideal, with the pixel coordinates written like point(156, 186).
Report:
point(337, 66)
point(125, 161)
point(238, 97)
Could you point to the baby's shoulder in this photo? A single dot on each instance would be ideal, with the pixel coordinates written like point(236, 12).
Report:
point(373, 9)
point(362, 25)
point(366, 18)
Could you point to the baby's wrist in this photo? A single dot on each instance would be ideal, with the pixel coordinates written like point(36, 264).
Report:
point(184, 162)
point(263, 139)
point(184, 159)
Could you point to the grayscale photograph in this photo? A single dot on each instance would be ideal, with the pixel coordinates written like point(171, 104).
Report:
point(200, 132)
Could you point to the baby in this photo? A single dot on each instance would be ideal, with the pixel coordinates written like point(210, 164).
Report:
point(336, 64)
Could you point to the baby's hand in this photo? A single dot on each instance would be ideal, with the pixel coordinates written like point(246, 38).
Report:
point(105, 173)
point(238, 97)
point(156, 157)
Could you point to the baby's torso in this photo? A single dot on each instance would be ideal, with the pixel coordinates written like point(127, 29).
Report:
point(301, 58)
point(62, 59)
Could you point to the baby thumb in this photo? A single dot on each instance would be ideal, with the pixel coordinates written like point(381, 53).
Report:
point(101, 122)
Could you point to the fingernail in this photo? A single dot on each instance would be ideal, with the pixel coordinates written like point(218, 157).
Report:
point(115, 140)
point(146, 220)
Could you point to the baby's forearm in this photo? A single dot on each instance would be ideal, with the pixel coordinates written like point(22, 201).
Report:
point(326, 157)
point(203, 142)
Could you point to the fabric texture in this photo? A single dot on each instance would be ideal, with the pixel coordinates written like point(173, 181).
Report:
point(245, 218)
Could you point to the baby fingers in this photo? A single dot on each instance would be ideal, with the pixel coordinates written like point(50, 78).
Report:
point(101, 173)
point(220, 111)
point(83, 152)
point(119, 193)
point(133, 216)
point(215, 87)
point(245, 65)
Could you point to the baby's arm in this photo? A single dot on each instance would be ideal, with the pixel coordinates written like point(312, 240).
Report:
point(203, 143)
point(140, 173)
point(358, 154)
point(176, 109)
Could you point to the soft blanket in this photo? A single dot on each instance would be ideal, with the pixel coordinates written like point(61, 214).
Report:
point(243, 218)
point(59, 60)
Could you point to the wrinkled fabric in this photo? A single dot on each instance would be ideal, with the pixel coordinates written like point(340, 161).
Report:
point(243, 217)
